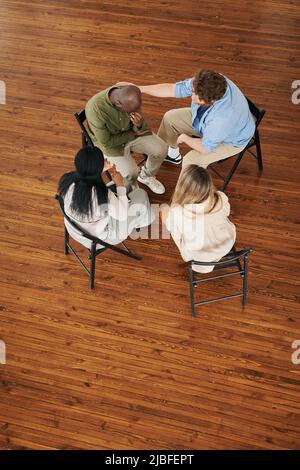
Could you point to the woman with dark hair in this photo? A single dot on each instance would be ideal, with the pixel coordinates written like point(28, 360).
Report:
point(89, 201)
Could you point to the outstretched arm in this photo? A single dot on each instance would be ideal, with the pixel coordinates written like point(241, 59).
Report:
point(162, 90)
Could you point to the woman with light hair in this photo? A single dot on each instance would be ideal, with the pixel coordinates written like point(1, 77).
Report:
point(198, 218)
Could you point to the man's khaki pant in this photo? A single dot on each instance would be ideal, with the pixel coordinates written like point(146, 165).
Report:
point(179, 121)
point(151, 145)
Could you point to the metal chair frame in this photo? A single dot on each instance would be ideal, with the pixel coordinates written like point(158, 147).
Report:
point(254, 142)
point(231, 260)
point(93, 251)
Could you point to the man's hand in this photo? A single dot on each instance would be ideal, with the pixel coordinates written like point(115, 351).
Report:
point(137, 119)
point(161, 90)
point(182, 139)
point(192, 142)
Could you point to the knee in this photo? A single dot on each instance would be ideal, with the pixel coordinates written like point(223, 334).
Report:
point(189, 159)
point(185, 163)
point(160, 148)
point(169, 116)
point(194, 158)
point(157, 147)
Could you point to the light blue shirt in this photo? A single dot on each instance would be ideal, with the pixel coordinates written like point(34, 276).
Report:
point(228, 120)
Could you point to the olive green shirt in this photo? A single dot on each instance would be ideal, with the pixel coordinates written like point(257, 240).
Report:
point(110, 128)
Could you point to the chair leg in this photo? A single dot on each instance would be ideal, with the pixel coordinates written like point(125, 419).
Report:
point(93, 264)
point(258, 151)
point(238, 263)
point(83, 140)
point(67, 238)
point(231, 172)
point(245, 280)
point(191, 278)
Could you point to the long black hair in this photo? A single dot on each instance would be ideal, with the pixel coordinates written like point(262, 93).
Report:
point(89, 164)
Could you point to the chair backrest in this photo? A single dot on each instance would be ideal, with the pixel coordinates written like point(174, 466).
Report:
point(81, 118)
point(256, 112)
point(94, 240)
point(73, 224)
point(226, 260)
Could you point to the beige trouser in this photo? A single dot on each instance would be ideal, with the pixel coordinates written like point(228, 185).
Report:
point(151, 145)
point(179, 121)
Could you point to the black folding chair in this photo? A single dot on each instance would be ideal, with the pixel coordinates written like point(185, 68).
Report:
point(93, 251)
point(254, 142)
point(231, 260)
point(81, 118)
point(86, 140)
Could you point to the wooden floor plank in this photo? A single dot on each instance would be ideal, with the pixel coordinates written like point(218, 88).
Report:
point(125, 366)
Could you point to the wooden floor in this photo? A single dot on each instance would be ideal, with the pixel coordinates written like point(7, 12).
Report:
point(125, 366)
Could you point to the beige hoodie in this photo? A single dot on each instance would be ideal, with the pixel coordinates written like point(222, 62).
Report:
point(202, 236)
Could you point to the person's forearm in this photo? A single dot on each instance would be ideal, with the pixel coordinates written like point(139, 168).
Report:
point(105, 138)
point(195, 144)
point(162, 90)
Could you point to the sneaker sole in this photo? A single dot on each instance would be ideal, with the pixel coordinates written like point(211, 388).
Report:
point(172, 161)
point(155, 192)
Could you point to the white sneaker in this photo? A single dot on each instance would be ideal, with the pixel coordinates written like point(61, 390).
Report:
point(174, 156)
point(173, 152)
point(156, 186)
point(174, 161)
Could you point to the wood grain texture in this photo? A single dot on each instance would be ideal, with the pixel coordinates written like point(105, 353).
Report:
point(125, 366)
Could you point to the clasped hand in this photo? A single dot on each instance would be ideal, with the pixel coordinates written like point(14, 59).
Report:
point(114, 173)
point(137, 119)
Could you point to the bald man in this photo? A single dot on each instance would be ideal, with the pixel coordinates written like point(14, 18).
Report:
point(117, 127)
